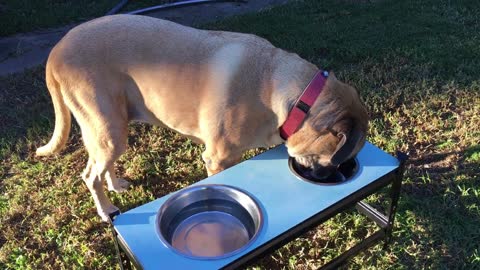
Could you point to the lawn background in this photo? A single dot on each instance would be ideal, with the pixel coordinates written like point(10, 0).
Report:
point(416, 66)
point(20, 16)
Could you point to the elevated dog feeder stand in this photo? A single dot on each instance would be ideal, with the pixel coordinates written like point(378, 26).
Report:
point(287, 207)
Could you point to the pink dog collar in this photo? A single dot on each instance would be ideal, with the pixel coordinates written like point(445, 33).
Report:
point(300, 110)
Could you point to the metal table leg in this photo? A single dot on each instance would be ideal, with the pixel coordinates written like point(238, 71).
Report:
point(384, 222)
point(123, 260)
point(395, 195)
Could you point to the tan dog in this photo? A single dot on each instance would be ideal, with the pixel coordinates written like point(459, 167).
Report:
point(230, 91)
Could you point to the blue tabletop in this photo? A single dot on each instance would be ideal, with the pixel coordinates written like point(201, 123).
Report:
point(285, 200)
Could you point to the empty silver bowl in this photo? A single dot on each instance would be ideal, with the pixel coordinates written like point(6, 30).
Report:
point(209, 221)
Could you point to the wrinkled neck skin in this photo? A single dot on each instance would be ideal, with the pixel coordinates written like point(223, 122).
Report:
point(327, 109)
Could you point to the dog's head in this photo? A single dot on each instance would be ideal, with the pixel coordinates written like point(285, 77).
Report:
point(334, 130)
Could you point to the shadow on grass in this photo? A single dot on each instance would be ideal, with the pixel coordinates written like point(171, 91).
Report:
point(439, 213)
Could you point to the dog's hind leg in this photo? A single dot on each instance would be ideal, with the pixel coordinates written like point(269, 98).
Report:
point(104, 125)
point(88, 170)
point(105, 144)
point(115, 184)
point(104, 147)
point(95, 185)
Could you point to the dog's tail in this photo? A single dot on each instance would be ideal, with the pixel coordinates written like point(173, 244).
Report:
point(62, 119)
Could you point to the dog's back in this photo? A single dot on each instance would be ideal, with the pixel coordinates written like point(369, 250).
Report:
point(169, 72)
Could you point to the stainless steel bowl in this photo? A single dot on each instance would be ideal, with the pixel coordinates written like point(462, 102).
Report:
point(345, 172)
point(209, 221)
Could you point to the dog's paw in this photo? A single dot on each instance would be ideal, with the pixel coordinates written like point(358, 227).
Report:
point(119, 186)
point(105, 213)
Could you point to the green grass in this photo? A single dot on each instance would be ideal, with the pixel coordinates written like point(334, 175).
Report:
point(416, 66)
point(18, 16)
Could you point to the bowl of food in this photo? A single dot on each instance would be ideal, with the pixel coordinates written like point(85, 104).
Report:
point(344, 172)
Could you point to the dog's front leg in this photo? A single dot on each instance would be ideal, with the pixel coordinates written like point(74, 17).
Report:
point(218, 158)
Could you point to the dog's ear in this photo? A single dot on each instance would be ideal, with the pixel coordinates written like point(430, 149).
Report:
point(340, 151)
point(349, 136)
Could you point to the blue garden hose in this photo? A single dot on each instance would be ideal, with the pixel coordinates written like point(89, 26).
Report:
point(117, 8)
point(122, 3)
